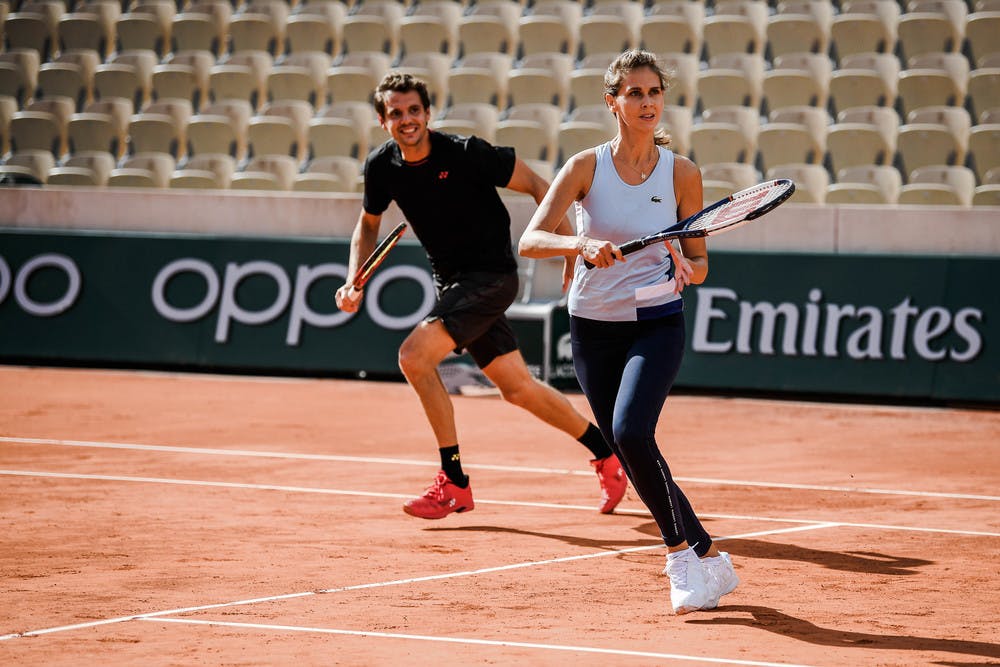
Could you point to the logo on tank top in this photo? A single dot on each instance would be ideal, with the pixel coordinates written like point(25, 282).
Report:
point(656, 199)
point(442, 175)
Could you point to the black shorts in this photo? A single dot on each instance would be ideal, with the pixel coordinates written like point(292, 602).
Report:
point(471, 306)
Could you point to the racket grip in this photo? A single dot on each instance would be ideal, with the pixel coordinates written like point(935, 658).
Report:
point(626, 248)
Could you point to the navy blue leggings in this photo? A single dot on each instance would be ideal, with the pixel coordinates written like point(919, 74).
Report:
point(626, 370)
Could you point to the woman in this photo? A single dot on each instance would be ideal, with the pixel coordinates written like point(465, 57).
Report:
point(625, 315)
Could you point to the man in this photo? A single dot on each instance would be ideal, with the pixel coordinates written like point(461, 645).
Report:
point(446, 186)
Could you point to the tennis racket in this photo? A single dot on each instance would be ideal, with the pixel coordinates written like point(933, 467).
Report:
point(731, 212)
point(378, 256)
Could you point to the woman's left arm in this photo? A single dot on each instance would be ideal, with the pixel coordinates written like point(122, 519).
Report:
point(692, 262)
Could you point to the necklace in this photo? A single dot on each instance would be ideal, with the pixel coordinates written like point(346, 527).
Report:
point(651, 158)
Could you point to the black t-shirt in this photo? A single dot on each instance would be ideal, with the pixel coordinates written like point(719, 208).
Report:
point(450, 199)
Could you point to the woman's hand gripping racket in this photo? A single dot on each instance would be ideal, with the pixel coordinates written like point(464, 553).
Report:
point(364, 273)
point(735, 210)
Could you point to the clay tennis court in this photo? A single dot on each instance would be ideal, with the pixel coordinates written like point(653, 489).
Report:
point(171, 519)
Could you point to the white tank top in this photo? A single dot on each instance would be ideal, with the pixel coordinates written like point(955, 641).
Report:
point(642, 287)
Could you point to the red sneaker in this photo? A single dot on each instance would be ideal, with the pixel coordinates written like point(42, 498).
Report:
point(440, 499)
point(611, 475)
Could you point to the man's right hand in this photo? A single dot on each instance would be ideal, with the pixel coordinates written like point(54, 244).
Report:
point(348, 298)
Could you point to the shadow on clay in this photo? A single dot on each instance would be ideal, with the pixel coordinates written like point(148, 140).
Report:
point(771, 620)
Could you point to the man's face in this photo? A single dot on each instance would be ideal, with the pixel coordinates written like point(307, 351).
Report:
point(405, 119)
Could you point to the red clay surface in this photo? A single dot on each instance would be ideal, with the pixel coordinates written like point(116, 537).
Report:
point(153, 519)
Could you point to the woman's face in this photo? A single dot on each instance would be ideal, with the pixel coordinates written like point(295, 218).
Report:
point(639, 102)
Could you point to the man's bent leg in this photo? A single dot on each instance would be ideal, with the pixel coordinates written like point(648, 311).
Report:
point(518, 386)
point(419, 355)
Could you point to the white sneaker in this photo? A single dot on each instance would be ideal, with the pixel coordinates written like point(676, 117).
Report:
point(689, 582)
point(721, 577)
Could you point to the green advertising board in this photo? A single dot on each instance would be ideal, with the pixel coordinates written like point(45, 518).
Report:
point(894, 327)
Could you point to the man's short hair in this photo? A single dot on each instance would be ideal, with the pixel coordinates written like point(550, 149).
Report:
point(399, 82)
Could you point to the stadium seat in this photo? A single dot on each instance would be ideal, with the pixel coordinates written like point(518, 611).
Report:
point(928, 194)
point(850, 144)
point(29, 30)
point(885, 177)
point(928, 32)
point(490, 26)
point(548, 115)
point(62, 79)
point(138, 30)
point(195, 31)
point(610, 27)
point(530, 140)
point(122, 81)
point(933, 79)
point(811, 181)
point(37, 130)
point(320, 32)
point(595, 113)
point(143, 170)
point(797, 79)
point(578, 135)
point(865, 26)
point(746, 118)
point(374, 26)
point(177, 82)
point(720, 142)
point(924, 144)
point(732, 79)
point(738, 175)
point(789, 33)
point(981, 30)
point(956, 119)
point(736, 26)
point(430, 27)
point(673, 26)
point(886, 120)
point(98, 163)
point(865, 79)
point(19, 74)
point(854, 193)
point(542, 77)
point(35, 162)
point(90, 131)
point(551, 26)
point(683, 89)
point(984, 90)
point(300, 76)
point(586, 86)
point(280, 128)
point(336, 136)
point(482, 77)
point(84, 30)
point(221, 128)
point(987, 195)
point(208, 170)
point(816, 119)
point(266, 172)
point(984, 149)
point(356, 75)
point(677, 121)
point(782, 143)
point(467, 118)
point(329, 174)
point(959, 178)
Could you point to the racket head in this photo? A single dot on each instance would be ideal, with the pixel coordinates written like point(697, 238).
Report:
point(738, 208)
point(365, 271)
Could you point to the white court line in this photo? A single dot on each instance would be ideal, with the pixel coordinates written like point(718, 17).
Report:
point(476, 642)
point(383, 584)
point(208, 451)
point(505, 503)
